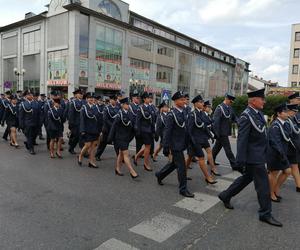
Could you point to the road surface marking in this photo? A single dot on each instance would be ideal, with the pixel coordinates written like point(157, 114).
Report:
point(220, 186)
point(114, 244)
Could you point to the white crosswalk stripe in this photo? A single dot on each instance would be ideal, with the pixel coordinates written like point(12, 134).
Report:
point(200, 204)
point(233, 175)
point(161, 227)
point(220, 186)
point(114, 244)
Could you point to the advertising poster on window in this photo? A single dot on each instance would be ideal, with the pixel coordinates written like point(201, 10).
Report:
point(139, 76)
point(57, 68)
point(83, 72)
point(108, 74)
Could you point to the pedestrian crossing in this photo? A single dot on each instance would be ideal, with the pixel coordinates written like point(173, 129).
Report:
point(163, 226)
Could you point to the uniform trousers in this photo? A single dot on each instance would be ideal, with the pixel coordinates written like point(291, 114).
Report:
point(258, 174)
point(223, 142)
point(178, 162)
point(30, 134)
point(74, 137)
point(103, 144)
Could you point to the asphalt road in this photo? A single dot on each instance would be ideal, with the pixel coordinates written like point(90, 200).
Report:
point(54, 204)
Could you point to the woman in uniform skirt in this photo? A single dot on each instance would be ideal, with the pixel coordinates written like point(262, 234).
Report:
point(160, 127)
point(277, 151)
point(11, 118)
point(294, 146)
point(198, 137)
point(122, 133)
point(55, 122)
point(145, 129)
point(89, 131)
point(99, 108)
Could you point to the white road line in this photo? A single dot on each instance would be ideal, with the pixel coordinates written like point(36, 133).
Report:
point(200, 204)
point(161, 227)
point(220, 186)
point(114, 244)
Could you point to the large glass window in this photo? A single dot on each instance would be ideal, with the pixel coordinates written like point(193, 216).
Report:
point(139, 75)
point(141, 43)
point(163, 50)
point(201, 73)
point(32, 41)
point(84, 50)
point(109, 8)
point(297, 36)
point(108, 58)
point(58, 68)
point(9, 78)
point(32, 76)
point(10, 46)
point(164, 74)
point(184, 72)
point(183, 41)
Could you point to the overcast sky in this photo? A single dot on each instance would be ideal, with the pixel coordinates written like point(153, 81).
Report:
point(258, 31)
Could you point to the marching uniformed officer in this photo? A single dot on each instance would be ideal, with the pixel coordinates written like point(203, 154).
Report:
point(187, 107)
point(74, 110)
point(175, 141)
point(294, 150)
point(133, 107)
point(145, 128)
point(198, 137)
point(5, 103)
point(29, 119)
point(277, 152)
point(110, 113)
point(42, 103)
point(251, 157)
point(99, 107)
point(121, 134)
point(223, 119)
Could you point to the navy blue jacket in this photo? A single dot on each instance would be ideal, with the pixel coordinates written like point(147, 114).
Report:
point(197, 128)
point(3, 106)
point(160, 125)
point(187, 110)
point(74, 112)
point(122, 128)
point(294, 133)
point(11, 116)
point(223, 119)
point(252, 138)
point(109, 115)
point(55, 119)
point(175, 134)
point(88, 120)
point(145, 120)
point(134, 110)
point(99, 114)
point(278, 144)
point(29, 114)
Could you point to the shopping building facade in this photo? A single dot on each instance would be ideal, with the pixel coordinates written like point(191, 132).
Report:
point(101, 46)
point(294, 69)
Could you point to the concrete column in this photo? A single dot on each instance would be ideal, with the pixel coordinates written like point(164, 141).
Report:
point(92, 55)
point(73, 67)
point(20, 60)
point(1, 65)
point(43, 60)
point(125, 63)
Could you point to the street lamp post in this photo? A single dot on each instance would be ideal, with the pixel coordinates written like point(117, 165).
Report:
point(18, 75)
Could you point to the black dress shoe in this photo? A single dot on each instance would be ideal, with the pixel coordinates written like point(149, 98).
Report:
point(147, 169)
point(298, 189)
point(118, 173)
point(187, 194)
point(271, 221)
point(72, 152)
point(134, 177)
point(26, 145)
point(275, 200)
point(215, 173)
point(278, 197)
point(159, 180)
point(227, 204)
point(189, 178)
point(35, 144)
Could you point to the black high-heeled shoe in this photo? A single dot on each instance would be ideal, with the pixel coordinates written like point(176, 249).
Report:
point(148, 169)
point(211, 182)
point(118, 173)
point(58, 156)
point(92, 166)
point(215, 173)
point(134, 177)
point(298, 189)
point(153, 158)
point(278, 197)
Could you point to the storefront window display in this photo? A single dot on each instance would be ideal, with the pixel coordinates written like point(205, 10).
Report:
point(139, 75)
point(184, 72)
point(84, 50)
point(32, 76)
point(58, 68)
point(108, 58)
point(9, 78)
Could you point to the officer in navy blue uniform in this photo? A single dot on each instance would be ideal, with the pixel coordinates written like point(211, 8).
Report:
point(89, 130)
point(99, 107)
point(74, 110)
point(5, 103)
point(133, 107)
point(175, 141)
point(154, 112)
point(145, 128)
point(42, 103)
point(121, 134)
point(251, 157)
point(294, 147)
point(29, 119)
point(187, 107)
point(11, 117)
point(223, 119)
point(198, 137)
point(2, 108)
point(110, 113)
